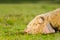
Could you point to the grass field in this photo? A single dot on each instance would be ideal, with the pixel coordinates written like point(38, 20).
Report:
point(15, 17)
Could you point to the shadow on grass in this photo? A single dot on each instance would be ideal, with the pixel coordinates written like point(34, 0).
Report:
point(22, 33)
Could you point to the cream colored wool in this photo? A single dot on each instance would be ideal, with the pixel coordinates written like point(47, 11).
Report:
point(42, 23)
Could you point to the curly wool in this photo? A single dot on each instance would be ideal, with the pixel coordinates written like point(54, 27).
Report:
point(40, 23)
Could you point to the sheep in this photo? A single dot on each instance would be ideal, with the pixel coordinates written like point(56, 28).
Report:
point(44, 23)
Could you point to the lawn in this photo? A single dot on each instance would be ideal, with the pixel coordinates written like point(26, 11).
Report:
point(15, 17)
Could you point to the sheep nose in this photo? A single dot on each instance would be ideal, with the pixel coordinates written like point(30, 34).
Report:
point(26, 31)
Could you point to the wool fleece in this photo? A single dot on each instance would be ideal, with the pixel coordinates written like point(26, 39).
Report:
point(44, 23)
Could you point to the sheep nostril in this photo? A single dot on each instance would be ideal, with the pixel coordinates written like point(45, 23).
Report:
point(25, 32)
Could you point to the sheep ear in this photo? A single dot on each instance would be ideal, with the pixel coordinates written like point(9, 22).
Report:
point(41, 20)
point(48, 29)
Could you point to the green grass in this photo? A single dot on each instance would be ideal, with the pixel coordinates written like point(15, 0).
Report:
point(15, 17)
